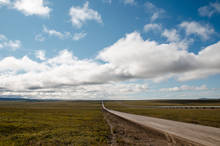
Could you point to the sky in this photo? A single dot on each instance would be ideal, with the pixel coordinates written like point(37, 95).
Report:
point(110, 49)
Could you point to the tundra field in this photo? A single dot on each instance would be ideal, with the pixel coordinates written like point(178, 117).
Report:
point(84, 122)
point(52, 123)
point(208, 117)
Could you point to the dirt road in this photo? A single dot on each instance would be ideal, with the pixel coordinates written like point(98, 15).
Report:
point(203, 135)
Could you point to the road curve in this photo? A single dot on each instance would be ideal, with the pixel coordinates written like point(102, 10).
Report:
point(204, 135)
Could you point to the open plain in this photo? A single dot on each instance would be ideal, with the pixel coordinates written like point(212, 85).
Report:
point(52, 123)
point(86, 123)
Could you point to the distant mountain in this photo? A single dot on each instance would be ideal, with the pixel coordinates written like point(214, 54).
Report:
point(20, 98)
point(12, 98)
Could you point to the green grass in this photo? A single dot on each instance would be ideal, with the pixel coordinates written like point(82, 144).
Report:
point(52, 123)
point(208, 117)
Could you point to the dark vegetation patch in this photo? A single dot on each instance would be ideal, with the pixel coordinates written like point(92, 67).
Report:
point(52, 123)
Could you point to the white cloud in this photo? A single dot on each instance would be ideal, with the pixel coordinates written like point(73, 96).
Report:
point(78, 36)
point(11, 44)
point(79, 15)
point(4, 2)
point(32, 7)
point(152, 27)
point(3, 37)
point(208, 64)
point(135, 58)
point(184, 43)
point(40, 54)
point(131, 2)
point(9, 66)
point(185, 88)
point(210, 9)
point(130, 58)
point(99, 91)
point(28, 7)
point(40, 38)
point(203, 31)
point(154, 11)
point(52, 32)
point(60, 72)
point(171, 35)
point(60, 35)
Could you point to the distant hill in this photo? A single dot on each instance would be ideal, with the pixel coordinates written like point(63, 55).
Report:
point(12, 98)
point(20, 98)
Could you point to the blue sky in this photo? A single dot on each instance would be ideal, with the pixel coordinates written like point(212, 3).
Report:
point(112, 49)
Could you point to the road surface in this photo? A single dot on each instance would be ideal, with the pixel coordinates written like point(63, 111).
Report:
point(203, 135)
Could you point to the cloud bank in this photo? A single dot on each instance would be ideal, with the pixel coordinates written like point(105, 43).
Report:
point(128, 59)
point(185, 88)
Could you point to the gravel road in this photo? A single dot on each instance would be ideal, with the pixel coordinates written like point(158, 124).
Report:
point(203, 135)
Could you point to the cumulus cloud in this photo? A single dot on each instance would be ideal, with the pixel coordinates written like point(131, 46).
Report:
point(203, 31)
point(61, 70)
point(152, 27)
point(79, 15)
point(11, 44)
point(185, 88)
point(154, 11)
point(138, 58)
point(33, 7)
point(210, 9)
point(40, 54)
point(78, 36)
point(63, 75)
point(208, 64)
point(130, 58)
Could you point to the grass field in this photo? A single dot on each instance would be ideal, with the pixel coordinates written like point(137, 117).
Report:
point(52, 123)
point(82, 123)
point(209, 117)
point(166, 102)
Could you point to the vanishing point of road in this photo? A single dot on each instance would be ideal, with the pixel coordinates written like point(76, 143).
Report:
point(204, 135)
